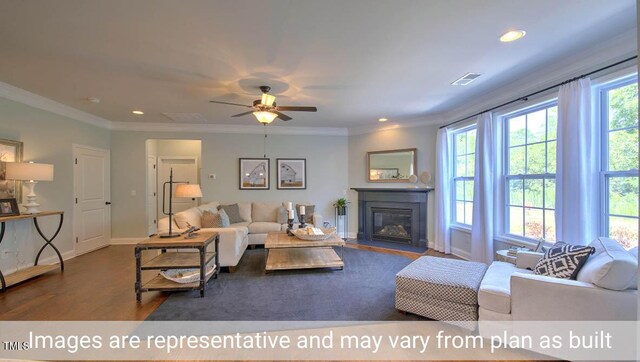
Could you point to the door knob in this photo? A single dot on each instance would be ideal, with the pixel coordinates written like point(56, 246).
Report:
point(108, 203)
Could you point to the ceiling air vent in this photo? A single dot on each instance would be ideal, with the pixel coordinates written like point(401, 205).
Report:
point(466, 79)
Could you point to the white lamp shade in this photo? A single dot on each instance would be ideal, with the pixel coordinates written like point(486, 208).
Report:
point(188, 190)
point(27, 171)
point(265, 117)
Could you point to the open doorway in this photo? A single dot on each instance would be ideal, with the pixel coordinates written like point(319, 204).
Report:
point(183, 156)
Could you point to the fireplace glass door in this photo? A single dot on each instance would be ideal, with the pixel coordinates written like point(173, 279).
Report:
point(391, 224)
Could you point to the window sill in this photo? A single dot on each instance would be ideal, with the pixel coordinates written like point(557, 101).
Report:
point(515, 241)
point(461, 227)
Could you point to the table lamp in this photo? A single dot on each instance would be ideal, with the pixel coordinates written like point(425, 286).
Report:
point(32, 173)
point(183, 189)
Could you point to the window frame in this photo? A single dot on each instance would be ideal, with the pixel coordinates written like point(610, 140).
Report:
point(601, 92)
point(455, 178)
point(524, 177)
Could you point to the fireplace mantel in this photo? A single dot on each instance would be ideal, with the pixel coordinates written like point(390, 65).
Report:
point(406, 198)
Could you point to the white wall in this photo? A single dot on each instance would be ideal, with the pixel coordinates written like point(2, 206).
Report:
point(327, 171)
point(422, 138)
point(47, 138)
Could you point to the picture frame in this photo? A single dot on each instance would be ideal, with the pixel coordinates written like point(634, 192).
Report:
point(292, 173)
point(254, 173)
point(9, 207)
point(10, 151)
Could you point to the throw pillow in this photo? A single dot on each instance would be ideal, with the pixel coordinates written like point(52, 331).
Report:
point(283, 215)
point(610, 266)
point(215, 219)
point(233, 212)
point(210, 219)
point(223, 221)
point(563, 261)
point(308, 211)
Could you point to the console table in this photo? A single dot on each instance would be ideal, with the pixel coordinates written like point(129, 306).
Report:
point(36, 269)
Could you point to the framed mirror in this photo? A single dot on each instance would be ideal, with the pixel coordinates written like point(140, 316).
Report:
point(391, 165)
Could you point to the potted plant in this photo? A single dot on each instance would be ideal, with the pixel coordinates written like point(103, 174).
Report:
point(341, 206)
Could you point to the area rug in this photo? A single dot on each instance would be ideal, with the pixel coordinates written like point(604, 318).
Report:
point(363, 291)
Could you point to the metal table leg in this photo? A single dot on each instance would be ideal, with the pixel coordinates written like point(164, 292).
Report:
point(203, 269)
point(138, 254)
point(49, 241)
point(2, 281)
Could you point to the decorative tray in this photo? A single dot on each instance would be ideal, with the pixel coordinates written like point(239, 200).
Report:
point(301, 234)
point(185, 276)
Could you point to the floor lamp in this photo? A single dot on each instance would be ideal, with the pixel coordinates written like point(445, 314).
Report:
point(183, 189)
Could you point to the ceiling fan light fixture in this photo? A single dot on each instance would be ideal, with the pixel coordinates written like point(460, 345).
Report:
point(268, 99)
point(512, 35)
point(265, 117)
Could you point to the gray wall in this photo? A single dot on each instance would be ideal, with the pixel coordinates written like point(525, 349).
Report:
point(47, 138)
point(423, 138)
point(327, 171)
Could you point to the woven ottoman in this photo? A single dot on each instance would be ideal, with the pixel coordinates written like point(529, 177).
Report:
point(440, 289)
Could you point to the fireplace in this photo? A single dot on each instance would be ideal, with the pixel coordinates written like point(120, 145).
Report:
point(391, 224)
point(397, 216)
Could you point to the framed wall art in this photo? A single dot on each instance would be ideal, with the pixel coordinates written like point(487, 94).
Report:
point(292, 173)
point(9, 207)
point(10, 151)
point(254, 173)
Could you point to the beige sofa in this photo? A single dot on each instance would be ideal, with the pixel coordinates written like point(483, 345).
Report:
point(259, 219)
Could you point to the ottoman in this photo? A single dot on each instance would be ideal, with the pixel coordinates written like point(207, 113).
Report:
point(440, 289)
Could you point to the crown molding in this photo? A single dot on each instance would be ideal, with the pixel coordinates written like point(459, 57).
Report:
point(228, 128)
point(36, 101)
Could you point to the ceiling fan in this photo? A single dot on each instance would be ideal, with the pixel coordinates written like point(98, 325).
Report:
point(265, 109)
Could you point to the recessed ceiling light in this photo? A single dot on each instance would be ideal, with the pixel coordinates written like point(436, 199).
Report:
point(137, 112)
point(382, 119)
point(512, 35)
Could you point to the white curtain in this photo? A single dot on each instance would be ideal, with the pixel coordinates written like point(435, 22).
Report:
point(484, 181)
point(443, 192)
point(576, 165)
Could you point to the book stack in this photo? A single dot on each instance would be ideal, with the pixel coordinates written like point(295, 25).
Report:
point(513, 251)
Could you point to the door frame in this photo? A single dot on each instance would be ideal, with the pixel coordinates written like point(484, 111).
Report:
point(74, 155)
point(159, 160)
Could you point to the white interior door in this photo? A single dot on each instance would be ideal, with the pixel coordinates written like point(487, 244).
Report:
point(152, 195)
point(185, 169)
point(92, 195)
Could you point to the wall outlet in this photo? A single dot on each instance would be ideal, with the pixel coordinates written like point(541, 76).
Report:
point(133, 193)
point(212, 176)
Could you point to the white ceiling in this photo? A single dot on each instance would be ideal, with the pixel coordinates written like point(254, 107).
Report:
point(355, 60)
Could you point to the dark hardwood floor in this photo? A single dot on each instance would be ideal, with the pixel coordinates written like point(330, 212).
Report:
point(98, 286)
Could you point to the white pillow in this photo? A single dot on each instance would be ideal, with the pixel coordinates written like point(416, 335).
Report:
point(610, 266)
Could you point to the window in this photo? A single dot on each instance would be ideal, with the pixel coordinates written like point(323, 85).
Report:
point(464, 156)
point(619, 107)
point(530, 164)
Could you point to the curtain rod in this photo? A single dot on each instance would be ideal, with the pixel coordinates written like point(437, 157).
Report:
point(526, 98)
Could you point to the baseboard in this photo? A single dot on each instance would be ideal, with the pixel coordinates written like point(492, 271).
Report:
point(46, 261)
point(127, 241)
point(461, 253)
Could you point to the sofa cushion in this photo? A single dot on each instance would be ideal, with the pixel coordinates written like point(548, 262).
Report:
point(189, 217)
point(242, 226)
point(265, 211)
point(611, 266)
point(233, 212)
point(263, 227)
point(563, 261)
point(495, 288)
point(308, 211)
point(245, 211)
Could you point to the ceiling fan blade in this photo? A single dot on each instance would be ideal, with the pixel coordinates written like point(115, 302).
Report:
point(297, 109)
point(283, 116)
point(242, 114)
point(232, 104)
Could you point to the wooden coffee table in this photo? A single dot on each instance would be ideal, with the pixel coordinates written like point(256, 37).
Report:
point(286, 252)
